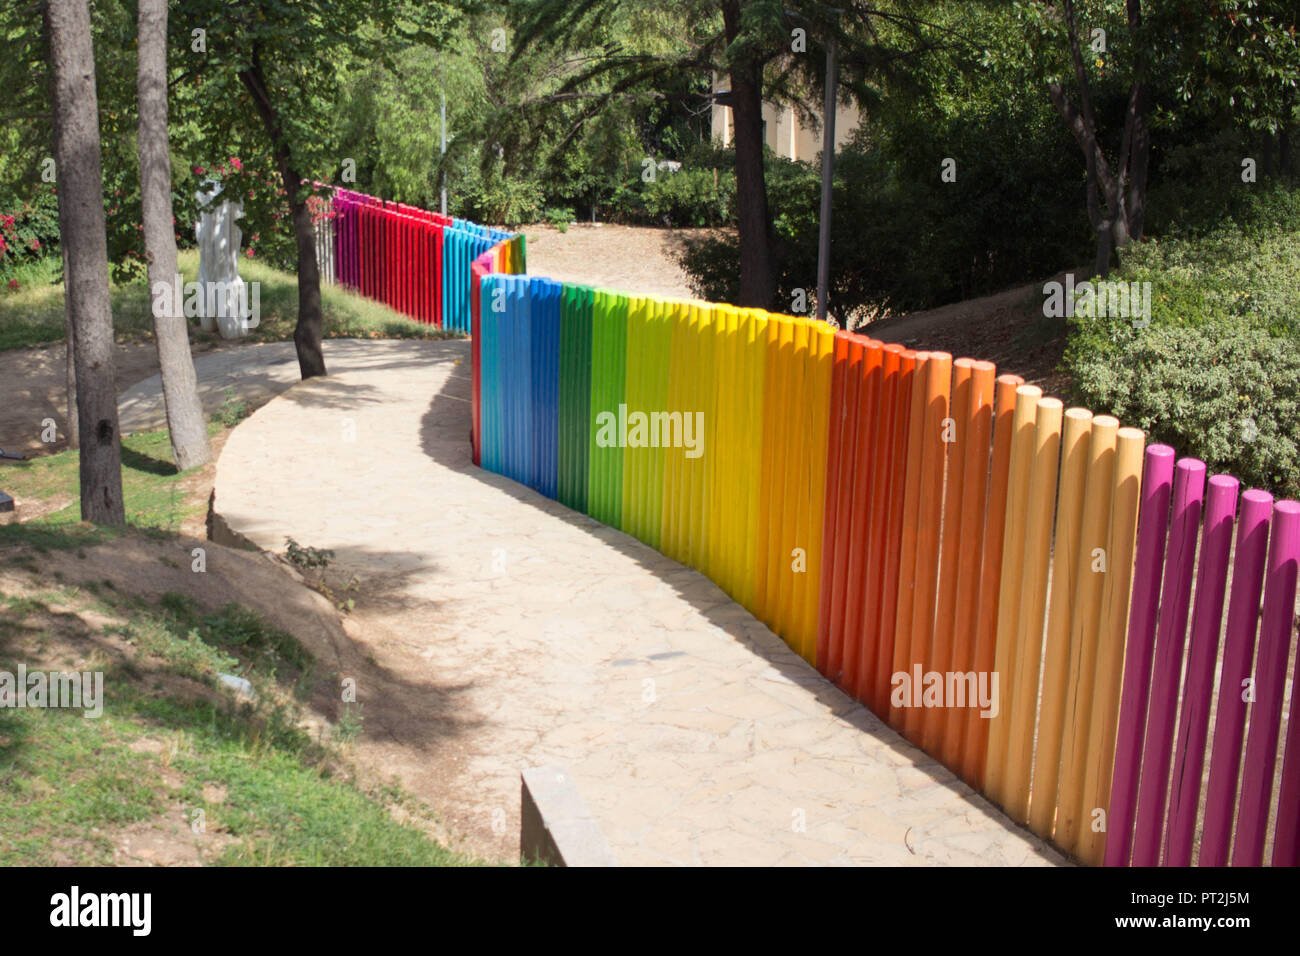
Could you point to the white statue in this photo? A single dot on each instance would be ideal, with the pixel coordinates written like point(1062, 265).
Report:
point(224, 298)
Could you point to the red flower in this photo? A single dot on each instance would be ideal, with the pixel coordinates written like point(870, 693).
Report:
point(234, 161)
point(198, 170)
point(249, 253)
point(13, 285)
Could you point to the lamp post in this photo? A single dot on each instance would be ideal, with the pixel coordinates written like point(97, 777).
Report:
point(443, 126)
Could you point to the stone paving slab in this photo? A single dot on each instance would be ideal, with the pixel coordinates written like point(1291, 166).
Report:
point(695, 735)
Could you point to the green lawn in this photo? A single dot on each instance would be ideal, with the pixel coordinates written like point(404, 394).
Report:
point(34, 315)
point(151, 485)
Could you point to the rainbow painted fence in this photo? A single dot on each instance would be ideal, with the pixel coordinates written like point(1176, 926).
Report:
point(416, 261)
point(910, 525)
point(891, 512)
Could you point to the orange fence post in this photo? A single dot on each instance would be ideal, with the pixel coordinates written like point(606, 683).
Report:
point(934, 455)
point(1028, 653)
point(910, 531)
point(974, 746)
point(891, 577)
point(939, 659)
point(864, 469)
point(1056, 655)
point(974, 458)
point(1013, 554)
point(882, 474)
point(1085, 625)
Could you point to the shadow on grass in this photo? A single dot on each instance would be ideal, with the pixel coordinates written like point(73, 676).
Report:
point(140, 462)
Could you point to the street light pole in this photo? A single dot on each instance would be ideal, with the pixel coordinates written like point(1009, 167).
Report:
point(443, 125)
point(828, 174)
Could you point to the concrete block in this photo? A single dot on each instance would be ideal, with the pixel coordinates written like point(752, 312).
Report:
point(555, 825)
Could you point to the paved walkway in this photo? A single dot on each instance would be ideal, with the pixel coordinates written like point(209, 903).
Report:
point(694, 734)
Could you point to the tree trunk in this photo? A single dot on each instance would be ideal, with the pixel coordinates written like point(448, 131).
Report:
point(185, 425)
point(308, 332)
point(85, 257)
point(1139, 132)
point(753, 219)
point(70, 377)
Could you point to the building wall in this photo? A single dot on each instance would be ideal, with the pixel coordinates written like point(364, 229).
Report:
point(784, 133)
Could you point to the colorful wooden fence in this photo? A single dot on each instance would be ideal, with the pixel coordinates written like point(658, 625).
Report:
point(415, 261)
point(1027, 592)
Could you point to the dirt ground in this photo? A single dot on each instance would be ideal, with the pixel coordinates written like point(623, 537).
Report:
point(1007, 328)
point(630, 258)
point(398, 742)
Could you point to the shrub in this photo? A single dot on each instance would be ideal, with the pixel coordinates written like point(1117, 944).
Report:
point(1224, 390)
point(691, 197)
point(29, 230)
point(1246, 266)
point(500, 200)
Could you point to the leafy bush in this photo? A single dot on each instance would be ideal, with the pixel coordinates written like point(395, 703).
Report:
point(558, 216)
point(691, 197)
point(29, 230)
point(1225, 391)
point(491, 197)
point(1246, 266)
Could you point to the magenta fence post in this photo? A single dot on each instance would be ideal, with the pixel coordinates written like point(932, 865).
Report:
point(1276, 624)
point(1153, 531)
point(1203, 652)
point(1286, 839)
point(1171, 635)
point(1238, 654)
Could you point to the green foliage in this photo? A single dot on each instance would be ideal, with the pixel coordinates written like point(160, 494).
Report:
point(691, 197)
point(29, 230)
point(1243, 268)
point(1216, 373)
point(1224, 391)
point(233, 410)
point(494, 197)
point(305, 557)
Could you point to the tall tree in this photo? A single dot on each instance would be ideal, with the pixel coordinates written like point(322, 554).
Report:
point(276, 65)
point(85, 256)
point(1116, 192)
point(185, 425)
point(1238, 57)
point(763, 50)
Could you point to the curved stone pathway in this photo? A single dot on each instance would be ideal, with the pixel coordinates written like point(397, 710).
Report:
point(543, 637)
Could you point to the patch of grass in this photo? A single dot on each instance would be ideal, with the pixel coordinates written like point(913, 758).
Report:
point(63, 778)
point(232, 411)
point(34, 315)
point(270, 794)
point(306, 557)
point(43, 537)
point(151, 486)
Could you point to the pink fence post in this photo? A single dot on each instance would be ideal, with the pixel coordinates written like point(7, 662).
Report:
point(1276, 623)
point(1286, 839)
point(1153, 531)
point(1238, 654)
point(1175, 602)
point(1207, 620)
